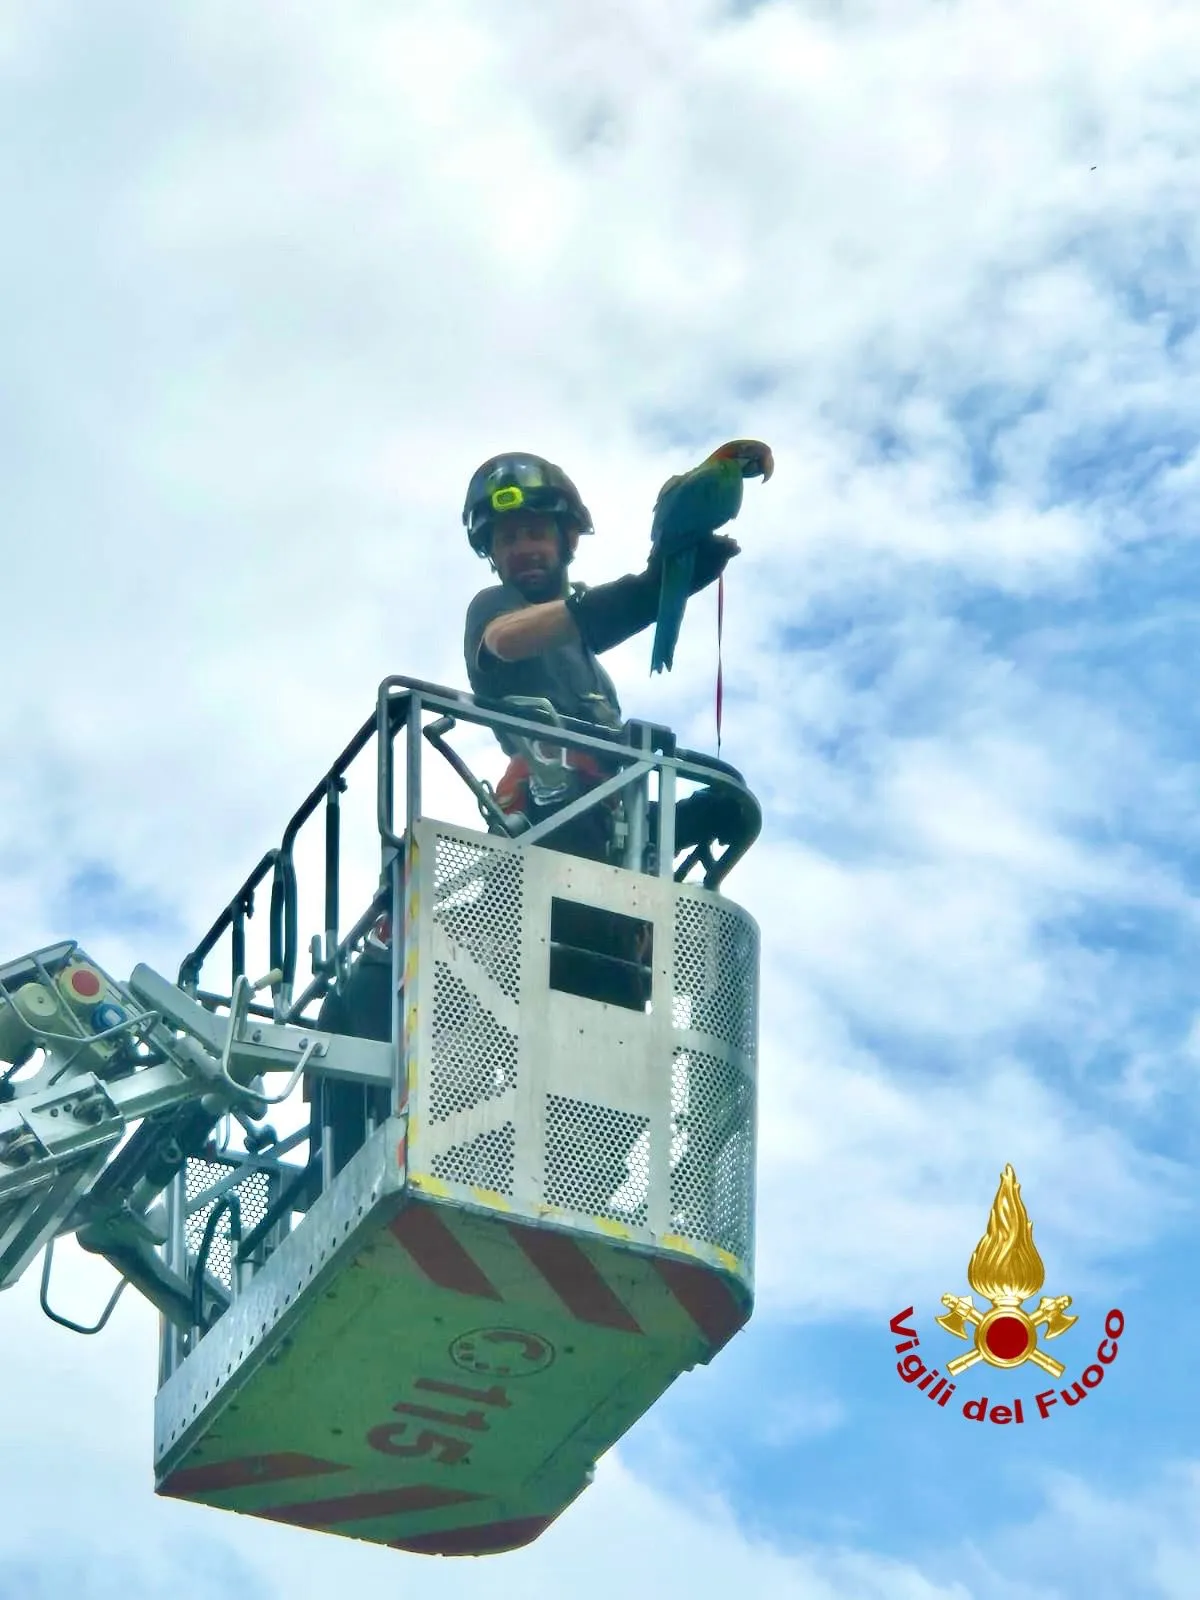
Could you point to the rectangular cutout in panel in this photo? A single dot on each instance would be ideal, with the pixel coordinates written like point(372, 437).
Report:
point(600, 955)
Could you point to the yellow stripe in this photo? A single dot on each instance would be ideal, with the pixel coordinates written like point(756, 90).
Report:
point(704, 1252)
point(676, 1241)
point(422, 1180)
point(618, 1230)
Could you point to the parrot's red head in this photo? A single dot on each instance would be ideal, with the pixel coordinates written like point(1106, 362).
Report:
point(754, 457)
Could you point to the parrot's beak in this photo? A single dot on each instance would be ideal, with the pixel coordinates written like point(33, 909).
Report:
point(758, 462)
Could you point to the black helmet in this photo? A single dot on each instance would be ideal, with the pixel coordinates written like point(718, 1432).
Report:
point(519, 481)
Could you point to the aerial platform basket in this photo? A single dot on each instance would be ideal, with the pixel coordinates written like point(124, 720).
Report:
point(546, 1213)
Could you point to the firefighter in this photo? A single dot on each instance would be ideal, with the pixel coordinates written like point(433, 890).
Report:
point(537, 634)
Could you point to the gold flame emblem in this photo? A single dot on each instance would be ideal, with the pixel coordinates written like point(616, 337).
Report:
point(1006, 1269)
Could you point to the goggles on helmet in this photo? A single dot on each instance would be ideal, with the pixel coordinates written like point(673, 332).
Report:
point(516, 484)
point(512, 497)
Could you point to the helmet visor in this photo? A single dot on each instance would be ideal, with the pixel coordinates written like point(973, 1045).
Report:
point(512, 497)
point(517, 485)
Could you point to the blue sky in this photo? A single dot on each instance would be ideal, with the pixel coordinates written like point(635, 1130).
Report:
point(274, 282)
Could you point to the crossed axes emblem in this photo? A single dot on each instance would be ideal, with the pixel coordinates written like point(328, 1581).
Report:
point(1051, 1313)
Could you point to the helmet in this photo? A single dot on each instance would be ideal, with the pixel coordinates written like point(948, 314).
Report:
point(519, 481)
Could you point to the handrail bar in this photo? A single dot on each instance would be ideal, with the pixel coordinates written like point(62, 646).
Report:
point(656, 750)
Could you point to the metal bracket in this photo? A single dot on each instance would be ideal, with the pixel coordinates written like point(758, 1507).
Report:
point(65, 1322)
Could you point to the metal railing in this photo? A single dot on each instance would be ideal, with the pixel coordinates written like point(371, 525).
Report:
point(634, 752)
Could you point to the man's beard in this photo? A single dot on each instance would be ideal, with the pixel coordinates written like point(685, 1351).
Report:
point(537, 584)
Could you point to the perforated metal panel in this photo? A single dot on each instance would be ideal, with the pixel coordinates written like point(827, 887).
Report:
point(474, 1056)
point(712, 1153)
point(478, 902)
point(485, 1161)
point(470, 939)
point(254, 1197)
point(716, 974)
point(597, 1160)
point(563, 1103)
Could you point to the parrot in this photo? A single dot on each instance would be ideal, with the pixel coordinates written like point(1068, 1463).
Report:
point(689, 508)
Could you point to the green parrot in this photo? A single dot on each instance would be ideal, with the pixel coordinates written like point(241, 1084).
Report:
point(688, 509)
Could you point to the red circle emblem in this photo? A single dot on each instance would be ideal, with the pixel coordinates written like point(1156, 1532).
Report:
point(1007, 1338)
point(86, 984)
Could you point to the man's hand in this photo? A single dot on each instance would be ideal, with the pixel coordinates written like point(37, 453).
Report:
point(713, 555)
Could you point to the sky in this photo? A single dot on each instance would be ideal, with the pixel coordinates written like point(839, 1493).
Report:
point(274, 280)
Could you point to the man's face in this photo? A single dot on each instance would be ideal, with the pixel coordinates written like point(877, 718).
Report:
point(525, 549)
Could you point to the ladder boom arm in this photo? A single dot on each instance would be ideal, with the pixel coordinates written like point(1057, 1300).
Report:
point(67, 1163)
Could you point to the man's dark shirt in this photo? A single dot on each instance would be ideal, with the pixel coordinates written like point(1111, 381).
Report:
point(566, 675)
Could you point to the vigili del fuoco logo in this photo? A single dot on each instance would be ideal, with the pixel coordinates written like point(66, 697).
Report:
point(1005, 1270)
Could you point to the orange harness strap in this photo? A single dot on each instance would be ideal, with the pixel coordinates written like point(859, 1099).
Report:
point(512, 792)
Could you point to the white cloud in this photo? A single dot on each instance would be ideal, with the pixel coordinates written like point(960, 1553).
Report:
point(276, 282)
point(1087, 1540)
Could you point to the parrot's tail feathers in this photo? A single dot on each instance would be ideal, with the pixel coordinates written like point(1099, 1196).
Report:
point(677, 575)
point(662, 655)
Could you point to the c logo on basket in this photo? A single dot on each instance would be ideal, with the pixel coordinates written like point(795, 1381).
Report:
point(502, 1352)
